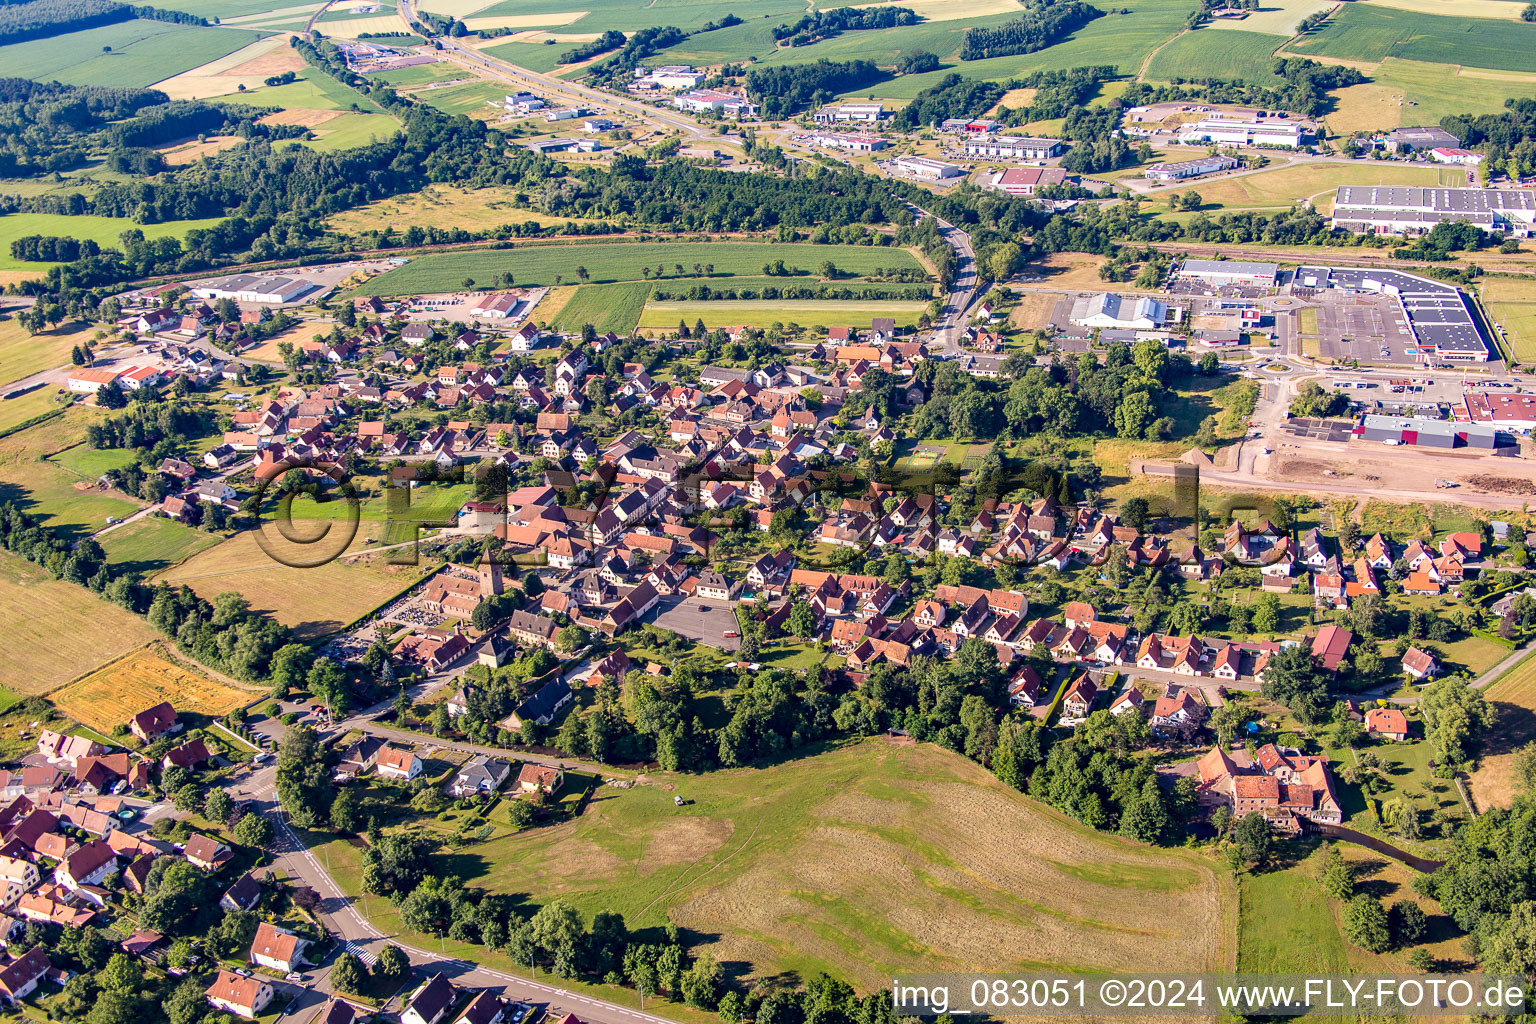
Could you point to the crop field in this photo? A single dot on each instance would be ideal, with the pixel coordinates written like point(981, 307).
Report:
point(607, 307)
point(1494, 783)
point(109, 696)
point(420, 74)
point(1364, 32)
point(248, 66)
point(22, 354)
point(1511, 302)
point(925, 858)
point(609, 262)
point(1507, 10)
point(231, 10)
point(1119, 39)
point(1285, 186)
point(626, 15)
point(1275, 17)
point(1233, 54)
point(104, 230)
point(142, 52)
point(54, 628)
point(457, 8)
point(312, 602)
point(805, 312)
point(153, 544)
point(533, 56)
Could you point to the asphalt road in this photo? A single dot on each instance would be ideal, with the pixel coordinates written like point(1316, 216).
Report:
point(962, 290)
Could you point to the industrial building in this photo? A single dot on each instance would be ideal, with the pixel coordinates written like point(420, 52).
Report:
point(1399, 210)
point(523, 102)
point(1224, 131)
point(1013, 147)
point(1426, 433)
point(1229, 272)
point(496, 306)
point(863, 113)
point(1407, 140)
point(1451, 155)
point(849, 141)
point(1026, 181)
point(671, 76)
point(1181, 170)
point(1122, 312)
point(924, 167)
point(1437, 314)
point(255, 288)
point(1503, 410)
point(968, 125)
point(714, 101)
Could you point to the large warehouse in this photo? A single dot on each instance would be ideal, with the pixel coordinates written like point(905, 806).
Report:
point(1013, 147)
point(1225, 272)
point(1408, 211)
point(255, 288)
point(1426, 433)
point(1436, 313)
point(1223, 131)
point(1123, 312)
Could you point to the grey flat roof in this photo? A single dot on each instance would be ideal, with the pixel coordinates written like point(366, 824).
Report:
point(1437, 313)
point(1433, 200)
point(1229, 267)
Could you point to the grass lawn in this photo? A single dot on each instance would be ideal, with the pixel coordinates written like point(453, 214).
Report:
point(59, 498)
point(153, 544)
point(610, 261)
point(89, 463)
point(420, 74)
point(922, 856)
point(1288, 186)
point(23, 354)
point(104, 230)
point(471, 98)
point(142, 52)
point(1511, 302)
point(443, 206)
point(805, 312)
point(15, 411)
point(1373, 33)
point(607, 307)
point(1435, 90)
point(58, 629)
point(350, 131)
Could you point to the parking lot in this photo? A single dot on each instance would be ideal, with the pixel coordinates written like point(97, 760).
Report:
point(1369, 329)
point(699, 619)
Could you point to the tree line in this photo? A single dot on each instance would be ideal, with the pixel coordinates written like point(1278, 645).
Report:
point(1044, 23)
point(953, 96)
point(783, 90)
point(819, 25)
point(38, 19)
point(609, 40)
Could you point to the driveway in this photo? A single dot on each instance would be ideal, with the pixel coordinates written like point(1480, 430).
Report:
point(698, 619)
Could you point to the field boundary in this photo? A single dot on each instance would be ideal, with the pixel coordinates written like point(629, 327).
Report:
point(48, 694)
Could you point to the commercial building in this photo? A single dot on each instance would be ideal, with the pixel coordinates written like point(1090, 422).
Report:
point(1449, 155)
point(1427, 433)
point(672, 76)
point(1026, 181)
point(714, 101)
point(497, 306)
point(864, 113)
point(523, 102)
point(1013, 147)
point(255, 288)
point(1179, 170)
point(1407, 140)
point(1130, 313)
point(1405, 211)
point(594, 125)
point(1437, 314)
point(1501, 409)
point(924, 167)
point(849, 141)
point(968, 125)
point(1229, 272)
point(88, 380)
point(1224, 131)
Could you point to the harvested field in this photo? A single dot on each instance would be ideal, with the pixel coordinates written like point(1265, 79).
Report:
point(55, 629)
point(1034, 310)
point(311, 601)
point(524, 20)
point(1501, 9)
point(781, 865)
point(192, 152)
point(109, 696)
point(303, 118)
point(248, 66)
point(274, 62)
point(1494, 783)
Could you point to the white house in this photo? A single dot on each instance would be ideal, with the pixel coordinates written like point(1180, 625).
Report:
point(397, 763)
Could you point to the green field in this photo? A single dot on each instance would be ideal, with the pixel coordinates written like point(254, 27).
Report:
point(142, 53)
point(609, 262)
point(1233, 54)
point(421, 74)
point(1511, 303)
point(464, 99)
point(227, 9)
point(607, 307)
point(533, 56)
point(860, 861)
point(44, 490)
point(804, 312)
point(90, 463)
point(628, 15)
point(1286, 186)
point(23, 354)
point(1119, 39)
point(153, 544)
point(103, 230)
point(1368, 32)
point(351, 130)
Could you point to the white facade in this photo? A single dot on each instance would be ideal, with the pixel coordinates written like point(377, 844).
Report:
point(923, 167)
point(1012, 147)
point(1224, 131)
point(1122, 312)
point(864, 113)
point(852, 143)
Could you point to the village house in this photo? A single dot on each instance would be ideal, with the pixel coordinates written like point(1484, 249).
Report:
point(152, 723)
point(481, 774)
point(242, 996)
point(399, 763)
point(277, 949)
point(206, 854)
point(1387, 723)
point(431, 1001)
